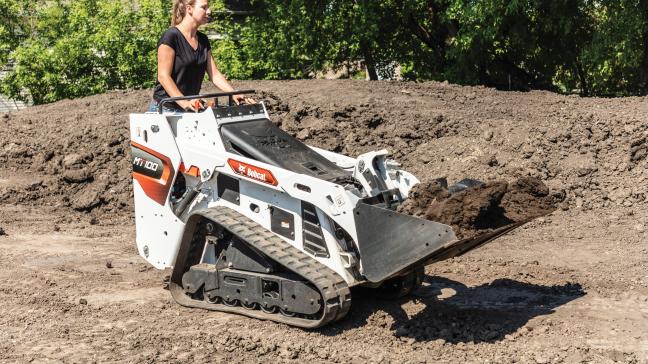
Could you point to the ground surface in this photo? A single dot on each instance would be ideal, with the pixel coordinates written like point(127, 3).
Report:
point(570, 287)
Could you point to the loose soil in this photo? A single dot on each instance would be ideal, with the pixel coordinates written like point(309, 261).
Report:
point(480, 208)
point(570, 286)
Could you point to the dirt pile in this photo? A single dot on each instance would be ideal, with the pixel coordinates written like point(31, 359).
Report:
point(480, 207)
point(72, 155)
point(75, 154)
point(590, 148)
point(560, 289)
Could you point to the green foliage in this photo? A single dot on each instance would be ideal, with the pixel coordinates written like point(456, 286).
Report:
point(11, 24)
point(593, 47)
point(282, 41)
point(64, 49)
point(616, 60)
point(85, 47)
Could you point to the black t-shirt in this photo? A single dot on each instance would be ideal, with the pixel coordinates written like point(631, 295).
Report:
point(189, 65)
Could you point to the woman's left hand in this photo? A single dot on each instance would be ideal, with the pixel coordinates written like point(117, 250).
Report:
point(242, 99)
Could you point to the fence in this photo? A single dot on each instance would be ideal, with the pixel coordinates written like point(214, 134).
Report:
point(8, 105)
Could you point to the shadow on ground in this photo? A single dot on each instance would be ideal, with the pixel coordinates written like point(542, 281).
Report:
point(457, 313)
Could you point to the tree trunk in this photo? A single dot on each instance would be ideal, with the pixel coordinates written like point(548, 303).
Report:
point(643, 67)
point(584, 86)
point(369, 63)
point(371, 72)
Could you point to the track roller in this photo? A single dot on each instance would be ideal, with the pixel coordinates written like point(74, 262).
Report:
point(254, 273)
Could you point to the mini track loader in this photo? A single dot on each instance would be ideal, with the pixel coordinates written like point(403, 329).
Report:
point(255, 222)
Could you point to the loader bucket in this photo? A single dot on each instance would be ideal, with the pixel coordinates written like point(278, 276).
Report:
point(457, 248)
point(390, 242)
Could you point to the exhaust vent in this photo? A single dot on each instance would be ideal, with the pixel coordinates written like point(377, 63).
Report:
point(313, 238)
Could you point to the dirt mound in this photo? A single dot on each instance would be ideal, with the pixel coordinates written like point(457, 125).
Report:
point(588, 148)
point(517, 300)
point(482, 206)
point(75, 154)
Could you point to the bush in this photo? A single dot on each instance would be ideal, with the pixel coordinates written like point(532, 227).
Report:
point(85, 47)
point(64, 49)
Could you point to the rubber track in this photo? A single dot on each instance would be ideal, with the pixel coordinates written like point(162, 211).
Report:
point(333, 289)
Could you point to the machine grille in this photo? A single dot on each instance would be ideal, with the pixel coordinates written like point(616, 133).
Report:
point(314, 242)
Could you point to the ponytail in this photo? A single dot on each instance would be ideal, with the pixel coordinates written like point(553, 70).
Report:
point(179, 10)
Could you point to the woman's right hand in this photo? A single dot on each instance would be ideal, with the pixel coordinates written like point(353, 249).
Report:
point(189, 105)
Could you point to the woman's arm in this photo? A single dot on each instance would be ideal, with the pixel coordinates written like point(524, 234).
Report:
point(165, 56)
point(217, 78)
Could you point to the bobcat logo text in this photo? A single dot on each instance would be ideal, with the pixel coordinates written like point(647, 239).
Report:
point(253, 172)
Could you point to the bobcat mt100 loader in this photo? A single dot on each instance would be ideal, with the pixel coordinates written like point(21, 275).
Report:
point(255, 222)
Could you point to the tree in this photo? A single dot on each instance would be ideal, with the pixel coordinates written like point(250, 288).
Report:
point(64, 48)
point(493, 42)
point(85, 47)
point(11, 28)
point(615, 61)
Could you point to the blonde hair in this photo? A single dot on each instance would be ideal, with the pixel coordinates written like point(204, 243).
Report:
point(179, 10)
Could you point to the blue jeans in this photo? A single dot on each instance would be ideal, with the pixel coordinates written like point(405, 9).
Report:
point(153, 107)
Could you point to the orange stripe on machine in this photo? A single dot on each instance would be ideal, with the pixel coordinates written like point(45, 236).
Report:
point(192, 171)
point(153, 171)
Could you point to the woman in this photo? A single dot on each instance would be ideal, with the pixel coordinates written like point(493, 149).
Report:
point(184, 55)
